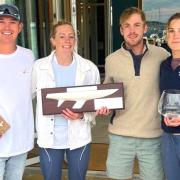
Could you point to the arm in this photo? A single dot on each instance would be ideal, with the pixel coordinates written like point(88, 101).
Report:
point(89, 117)
point(34, 80)
point(104, 110)
point(92, 77)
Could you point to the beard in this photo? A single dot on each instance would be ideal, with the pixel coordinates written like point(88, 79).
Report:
point(131, 43)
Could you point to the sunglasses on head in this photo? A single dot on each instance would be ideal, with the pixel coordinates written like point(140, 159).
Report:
point(9, 10)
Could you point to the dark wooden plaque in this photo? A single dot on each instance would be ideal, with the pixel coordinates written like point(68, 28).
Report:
point(114, 100)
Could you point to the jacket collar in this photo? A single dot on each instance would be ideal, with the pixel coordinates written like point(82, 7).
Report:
point(82, 67)
point(80, 62)
point(168, 61)
point(146, 46)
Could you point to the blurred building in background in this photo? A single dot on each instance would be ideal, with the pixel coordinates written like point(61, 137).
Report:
point(96, 22)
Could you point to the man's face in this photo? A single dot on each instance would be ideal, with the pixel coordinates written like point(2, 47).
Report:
point(9, 29)
point(133, 30)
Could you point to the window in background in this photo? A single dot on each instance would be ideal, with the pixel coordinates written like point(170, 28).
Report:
point(37, 17)
point(157, 14)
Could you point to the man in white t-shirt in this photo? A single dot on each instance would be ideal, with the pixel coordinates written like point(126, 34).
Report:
point(15, 96)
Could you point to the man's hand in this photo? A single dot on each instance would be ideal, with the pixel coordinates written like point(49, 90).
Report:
point(68, 114)
point(172, 122)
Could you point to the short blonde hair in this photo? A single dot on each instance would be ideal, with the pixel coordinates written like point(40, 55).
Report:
point(129, 12)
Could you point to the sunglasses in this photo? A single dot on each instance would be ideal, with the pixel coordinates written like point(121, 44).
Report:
point(9, 10)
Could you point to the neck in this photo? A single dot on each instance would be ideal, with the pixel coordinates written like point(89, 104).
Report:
point(137, 49)
point(7, 49)
point(63, 58)
point(176, 54)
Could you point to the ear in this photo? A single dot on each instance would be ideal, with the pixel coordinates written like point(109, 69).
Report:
point(121, 30)
point(20, 26)
point(166, 36)
point(52, 42)
point(145, 28)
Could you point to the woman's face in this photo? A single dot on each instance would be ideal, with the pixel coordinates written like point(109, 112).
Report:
point(64, 39)
point(173, 35)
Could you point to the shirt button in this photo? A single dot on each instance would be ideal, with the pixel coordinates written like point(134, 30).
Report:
point(52, 119)
point(51, 133)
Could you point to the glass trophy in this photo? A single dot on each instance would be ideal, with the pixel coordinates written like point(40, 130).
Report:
point(169, 103)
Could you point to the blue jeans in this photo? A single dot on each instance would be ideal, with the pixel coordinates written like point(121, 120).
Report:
point(51, 161)
point(171, 156)
point(12, 168)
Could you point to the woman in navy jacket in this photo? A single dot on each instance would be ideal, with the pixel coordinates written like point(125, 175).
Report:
point(170, 79)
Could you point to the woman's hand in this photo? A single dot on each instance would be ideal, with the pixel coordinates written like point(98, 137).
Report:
point(103, 111)
point(172, 122)
point(68, 114)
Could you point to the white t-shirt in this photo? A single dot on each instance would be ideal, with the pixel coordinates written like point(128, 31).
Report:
point(16, 102)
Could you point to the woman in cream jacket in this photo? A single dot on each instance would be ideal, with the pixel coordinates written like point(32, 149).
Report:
point(67, 132)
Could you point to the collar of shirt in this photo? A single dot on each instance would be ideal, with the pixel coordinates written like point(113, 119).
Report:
point(137, 58)
point(145, 48)
point(175, 63)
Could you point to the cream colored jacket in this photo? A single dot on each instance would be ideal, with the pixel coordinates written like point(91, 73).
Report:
point(79, 131)
point(140, 117)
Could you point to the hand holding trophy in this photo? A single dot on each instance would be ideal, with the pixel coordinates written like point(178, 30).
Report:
point(169, 104)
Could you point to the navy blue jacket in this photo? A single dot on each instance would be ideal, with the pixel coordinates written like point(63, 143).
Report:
point(169, 79)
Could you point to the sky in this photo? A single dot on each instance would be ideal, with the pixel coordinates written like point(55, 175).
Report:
point(160, 10)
